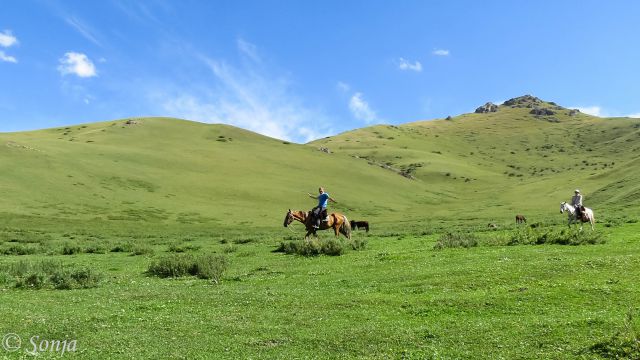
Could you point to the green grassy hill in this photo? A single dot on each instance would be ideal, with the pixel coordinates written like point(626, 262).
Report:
point(161, 169)
point(509, 160)
point(488, 165)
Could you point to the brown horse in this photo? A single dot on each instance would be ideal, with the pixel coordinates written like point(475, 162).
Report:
point(520, 219)
point(336, 221)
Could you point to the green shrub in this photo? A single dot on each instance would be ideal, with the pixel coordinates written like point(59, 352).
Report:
point(20, 249)
point(332, 247)
point(208, 266)
point(456, 240)
point(48, 274)
point(211, 266)
point(315, 247)
point(71, 249)
point(141, 250)
point(122, 247)
point(529, 236)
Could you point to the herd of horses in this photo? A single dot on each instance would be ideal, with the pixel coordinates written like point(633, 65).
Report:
point(340, 225)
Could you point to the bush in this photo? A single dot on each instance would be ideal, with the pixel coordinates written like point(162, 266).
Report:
point(141, 250)
point(315, 247)
point(529, 236)
point(43, 274)
point(208, 266)
point(211, 266)
point(122, 247)
point(70, 249)
point(20, 249)
point(456, 240)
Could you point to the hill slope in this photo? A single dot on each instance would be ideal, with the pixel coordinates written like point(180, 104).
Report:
point(485, 165)
point(510, 158)
point(161, 169)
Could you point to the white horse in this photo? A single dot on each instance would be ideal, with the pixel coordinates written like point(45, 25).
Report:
point(572, 216)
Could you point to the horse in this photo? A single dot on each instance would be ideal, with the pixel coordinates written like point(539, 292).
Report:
point(572, 216)
point(520, 219)
point(355, 225)
point(336, 221)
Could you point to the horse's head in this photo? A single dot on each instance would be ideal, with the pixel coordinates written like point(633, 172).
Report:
point(288, 219)
point(564, 207)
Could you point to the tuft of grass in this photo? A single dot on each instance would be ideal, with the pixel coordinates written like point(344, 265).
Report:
point(456, 240)
point(624, 344)
point(180, 248)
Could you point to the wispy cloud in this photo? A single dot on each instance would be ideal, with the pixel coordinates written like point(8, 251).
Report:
point(251, 98)
point(342, 86)
point(634, 115)
point(441, 52)
point(6, 58)
point(7, 40)
point(83, 29)
point(79, 64)
point(248, 49)
point(361, 110)
point(404, 64)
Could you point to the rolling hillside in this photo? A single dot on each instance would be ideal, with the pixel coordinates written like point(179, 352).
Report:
point(509, 159)
point(161, 169)
point(169, 170)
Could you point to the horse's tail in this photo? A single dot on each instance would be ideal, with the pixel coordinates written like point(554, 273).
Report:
point(345, 228)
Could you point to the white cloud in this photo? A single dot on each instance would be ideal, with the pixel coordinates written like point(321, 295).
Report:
point(634, 115)
point(441, 52)
point(6, 58)
point(7, 39)
point(406, 65)
point(249, 99)
point(77, 64)
point(591, 110)
point(361, 109)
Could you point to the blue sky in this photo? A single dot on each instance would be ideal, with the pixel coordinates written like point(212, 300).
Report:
point(300, 70)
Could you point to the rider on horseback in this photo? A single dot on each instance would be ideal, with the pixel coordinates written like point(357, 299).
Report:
point(319, 212)
point(576, 202)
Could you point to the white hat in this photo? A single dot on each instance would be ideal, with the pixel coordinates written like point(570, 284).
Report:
point(578, 191)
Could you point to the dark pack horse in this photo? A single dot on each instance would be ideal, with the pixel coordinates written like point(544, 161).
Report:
point(336, 221)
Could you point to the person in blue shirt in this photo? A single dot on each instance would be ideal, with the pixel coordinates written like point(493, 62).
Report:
point(319, 213)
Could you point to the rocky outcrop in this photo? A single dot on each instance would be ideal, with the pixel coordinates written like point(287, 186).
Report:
point(487, 108)
point(573, 112)
point(542, 112)
point(526, 101)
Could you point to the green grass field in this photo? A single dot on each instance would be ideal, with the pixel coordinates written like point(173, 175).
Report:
point(92, 214)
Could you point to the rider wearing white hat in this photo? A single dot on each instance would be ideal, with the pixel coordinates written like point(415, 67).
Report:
point(576, 201)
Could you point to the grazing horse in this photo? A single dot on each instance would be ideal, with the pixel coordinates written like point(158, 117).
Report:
point(573, 217)
point(336, 221)
point(355, 225)
point(520, 219)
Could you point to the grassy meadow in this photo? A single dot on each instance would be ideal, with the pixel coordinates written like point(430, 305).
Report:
point(162, 238)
